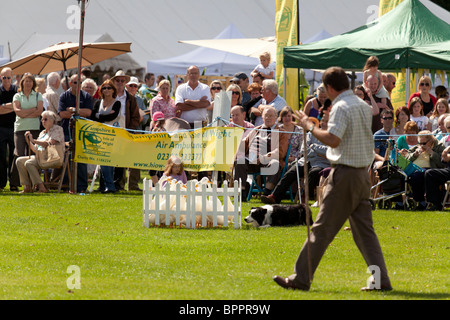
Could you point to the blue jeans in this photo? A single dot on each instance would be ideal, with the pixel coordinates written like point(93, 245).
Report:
point(108, 178)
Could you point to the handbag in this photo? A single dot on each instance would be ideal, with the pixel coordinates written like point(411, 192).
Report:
point(50, 157)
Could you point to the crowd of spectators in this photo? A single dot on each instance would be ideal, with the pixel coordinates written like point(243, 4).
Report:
point(418, 129)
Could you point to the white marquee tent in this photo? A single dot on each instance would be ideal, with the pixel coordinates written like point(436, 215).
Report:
point(214, 62)
point(154, 27)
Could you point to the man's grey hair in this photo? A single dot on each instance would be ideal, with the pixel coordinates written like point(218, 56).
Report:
point(53, 78)
point(271, 85)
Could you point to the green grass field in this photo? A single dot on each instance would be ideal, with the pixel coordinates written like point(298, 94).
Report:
point(42, 235)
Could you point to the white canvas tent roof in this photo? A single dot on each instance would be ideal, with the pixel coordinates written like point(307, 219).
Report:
point(216, 62)
point(154, 27)
point(250, 47)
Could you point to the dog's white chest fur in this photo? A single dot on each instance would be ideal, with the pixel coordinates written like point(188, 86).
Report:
point(268, 216)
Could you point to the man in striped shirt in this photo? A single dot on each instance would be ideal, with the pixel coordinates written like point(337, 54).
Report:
point(347, 194)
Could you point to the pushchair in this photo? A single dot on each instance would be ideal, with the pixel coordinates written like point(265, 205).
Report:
point(393, 181)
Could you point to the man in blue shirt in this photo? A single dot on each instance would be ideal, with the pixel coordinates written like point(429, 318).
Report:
point(67, 105)
point(381, 144)
point(270, 95)
point(381, 136)
point(66, 109)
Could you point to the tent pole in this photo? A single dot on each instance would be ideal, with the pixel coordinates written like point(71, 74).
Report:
point(313, 83)
point(80, 54)
point(284, 82)
point(299, 81)
point(77, 105)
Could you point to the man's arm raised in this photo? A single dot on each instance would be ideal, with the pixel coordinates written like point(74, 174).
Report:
point(322, 135)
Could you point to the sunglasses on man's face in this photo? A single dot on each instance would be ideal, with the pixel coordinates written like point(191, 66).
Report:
point(4, 78)
point(424, 84)
point(387, 118)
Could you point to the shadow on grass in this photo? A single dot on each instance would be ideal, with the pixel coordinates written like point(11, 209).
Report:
point(401, 294)
point(419, 295)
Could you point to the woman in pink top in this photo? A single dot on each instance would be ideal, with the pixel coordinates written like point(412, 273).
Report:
point(163, 102)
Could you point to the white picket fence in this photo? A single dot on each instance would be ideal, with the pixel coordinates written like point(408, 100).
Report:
point(192, 204)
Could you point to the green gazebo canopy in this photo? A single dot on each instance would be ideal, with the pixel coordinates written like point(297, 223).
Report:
point(409, 36)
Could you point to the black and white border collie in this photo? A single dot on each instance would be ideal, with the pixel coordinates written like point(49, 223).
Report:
point(278, 215)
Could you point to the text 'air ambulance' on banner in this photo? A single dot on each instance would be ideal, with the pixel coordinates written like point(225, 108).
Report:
point(204, 149)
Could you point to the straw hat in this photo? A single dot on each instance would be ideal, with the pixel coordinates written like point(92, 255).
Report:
point(120, 73)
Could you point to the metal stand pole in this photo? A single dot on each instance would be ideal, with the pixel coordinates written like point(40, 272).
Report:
point(77, 109)
point(308, 211)
point(298, 183)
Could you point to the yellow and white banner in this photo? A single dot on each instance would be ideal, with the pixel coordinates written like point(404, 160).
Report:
point(286, 20)
point(398, 98)
point(204, 149)
point(387, 5)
